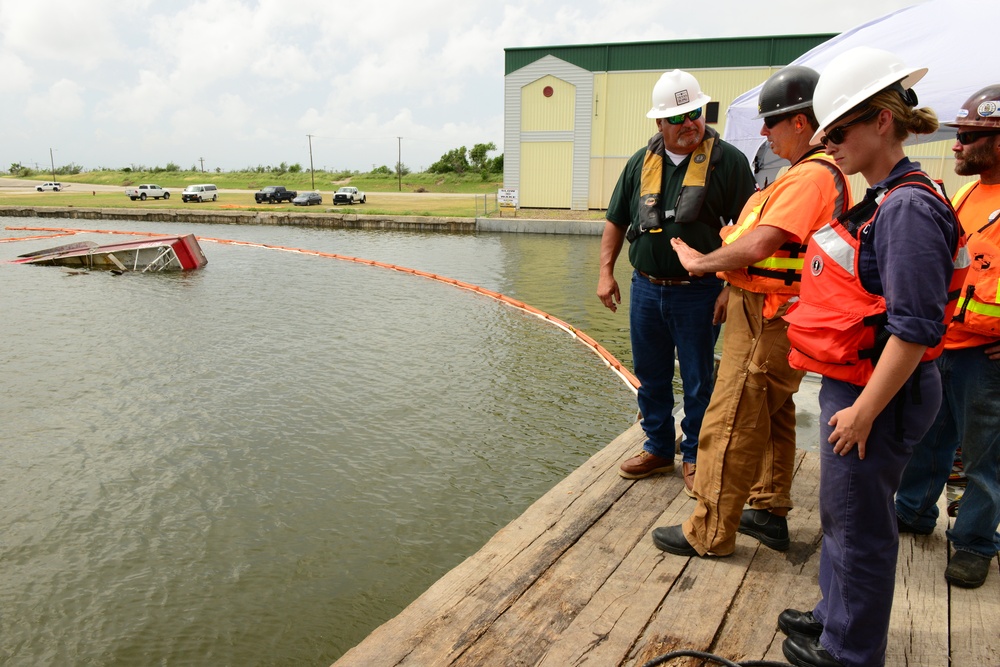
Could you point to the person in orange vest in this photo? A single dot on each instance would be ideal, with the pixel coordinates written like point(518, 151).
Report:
point(871, 315)
point(746, 448)
point(970, 367)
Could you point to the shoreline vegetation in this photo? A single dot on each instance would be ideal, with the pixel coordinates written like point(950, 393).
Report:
point(420, 194)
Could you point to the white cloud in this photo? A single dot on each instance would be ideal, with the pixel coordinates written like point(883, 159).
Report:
point(241, 82)
point(63, 100)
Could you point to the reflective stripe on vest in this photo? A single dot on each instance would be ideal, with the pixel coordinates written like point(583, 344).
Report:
point(836, 248)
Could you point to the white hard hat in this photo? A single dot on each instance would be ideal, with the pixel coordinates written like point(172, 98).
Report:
point(675, 93)
point(855, 76)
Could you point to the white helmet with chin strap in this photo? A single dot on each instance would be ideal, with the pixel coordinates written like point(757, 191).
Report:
point(855, 76)
point(675, 93)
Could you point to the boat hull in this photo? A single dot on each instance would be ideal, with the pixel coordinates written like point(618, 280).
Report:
point(168, 253)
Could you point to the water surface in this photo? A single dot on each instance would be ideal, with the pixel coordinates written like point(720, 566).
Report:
point(260, 462)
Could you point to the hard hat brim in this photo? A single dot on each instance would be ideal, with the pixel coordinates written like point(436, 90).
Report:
point(777, 112)
point(906, 78)
point(696, 103)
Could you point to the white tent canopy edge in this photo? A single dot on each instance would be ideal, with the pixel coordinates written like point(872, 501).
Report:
point(953, 38)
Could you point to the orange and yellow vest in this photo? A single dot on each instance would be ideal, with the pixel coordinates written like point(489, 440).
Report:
point(977, 316)
point(837, 327)
point(781, 273)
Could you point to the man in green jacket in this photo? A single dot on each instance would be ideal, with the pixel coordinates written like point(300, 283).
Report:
point(686, 183)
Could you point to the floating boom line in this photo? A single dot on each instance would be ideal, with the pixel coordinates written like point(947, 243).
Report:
point(609, 359)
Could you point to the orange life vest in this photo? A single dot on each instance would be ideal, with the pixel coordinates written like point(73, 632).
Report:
point(781, 273)
point(837, 328)
point(978, 310)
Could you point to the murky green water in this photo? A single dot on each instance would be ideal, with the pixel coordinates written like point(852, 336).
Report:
point(260, 462)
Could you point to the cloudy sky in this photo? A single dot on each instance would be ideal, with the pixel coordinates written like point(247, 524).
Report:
point(229, 84)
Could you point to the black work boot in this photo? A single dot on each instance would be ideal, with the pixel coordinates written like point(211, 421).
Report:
point(770, 529)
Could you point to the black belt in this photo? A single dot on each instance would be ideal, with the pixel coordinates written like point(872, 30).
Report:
point(663, 282)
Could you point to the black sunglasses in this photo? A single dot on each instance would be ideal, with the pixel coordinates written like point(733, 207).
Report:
point(771, 121)
point(837, 134)
point(966, 138)
point(681, 117)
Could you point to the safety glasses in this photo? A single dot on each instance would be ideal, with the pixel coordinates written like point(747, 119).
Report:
point(838, 135)
point(681, 117)
point(966, 138)
point(771, 121)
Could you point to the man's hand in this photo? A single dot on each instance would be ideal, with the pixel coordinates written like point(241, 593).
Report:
point(993, 352)
point(688, 256)
point(608, 293)
point(721, 305)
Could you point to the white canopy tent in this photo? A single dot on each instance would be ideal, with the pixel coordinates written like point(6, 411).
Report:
point(953, 38)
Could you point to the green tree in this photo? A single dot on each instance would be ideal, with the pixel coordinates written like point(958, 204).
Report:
point(383, 170)
point(454, 160)
point(401, 169)
point(477, 156)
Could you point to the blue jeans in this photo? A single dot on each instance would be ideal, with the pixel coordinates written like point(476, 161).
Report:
point(662, 318)
point(970, 417)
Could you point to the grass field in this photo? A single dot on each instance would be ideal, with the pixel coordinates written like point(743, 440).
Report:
point(303, 180)
point(424, 204)
point(424, 194)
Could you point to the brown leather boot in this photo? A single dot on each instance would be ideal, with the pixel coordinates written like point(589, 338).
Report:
point(689, 469)
point(644, 464)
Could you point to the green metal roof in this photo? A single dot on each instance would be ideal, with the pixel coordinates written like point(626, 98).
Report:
point(680, 54)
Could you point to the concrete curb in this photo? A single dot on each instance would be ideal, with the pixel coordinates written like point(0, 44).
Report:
point(331, 220)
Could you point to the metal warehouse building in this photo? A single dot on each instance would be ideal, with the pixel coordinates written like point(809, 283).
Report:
point(573, 115)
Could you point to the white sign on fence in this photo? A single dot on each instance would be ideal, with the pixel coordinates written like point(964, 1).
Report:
point(507, 197)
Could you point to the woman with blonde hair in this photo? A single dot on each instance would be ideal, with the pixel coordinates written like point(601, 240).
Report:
point(871, 317)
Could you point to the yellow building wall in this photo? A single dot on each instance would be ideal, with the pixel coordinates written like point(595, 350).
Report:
point(620, 127)
point(546, 173)
point(548, 114)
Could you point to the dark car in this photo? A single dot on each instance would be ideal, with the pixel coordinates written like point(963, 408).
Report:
point(308, 199)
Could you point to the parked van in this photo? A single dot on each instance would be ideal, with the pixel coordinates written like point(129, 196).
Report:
point(206, 192)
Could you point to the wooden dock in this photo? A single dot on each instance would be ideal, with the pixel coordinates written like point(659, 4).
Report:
point(576, 580)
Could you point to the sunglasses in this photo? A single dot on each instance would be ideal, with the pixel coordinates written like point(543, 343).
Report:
point(837, 134)
point(771, 121)
point(681, 117)
point(966, 138)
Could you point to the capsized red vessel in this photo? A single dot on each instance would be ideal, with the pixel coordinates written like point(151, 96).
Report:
point(163, 253)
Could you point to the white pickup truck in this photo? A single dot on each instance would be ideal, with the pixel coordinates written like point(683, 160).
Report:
point(348, 195)
point(147, 191)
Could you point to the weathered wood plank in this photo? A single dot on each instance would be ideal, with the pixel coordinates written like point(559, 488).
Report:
point(607, 628)
point(571, 583)
point(975, 622)
point(918, 628)
point(776, 580)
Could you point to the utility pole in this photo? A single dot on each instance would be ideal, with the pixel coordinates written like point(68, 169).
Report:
point(202, 160)
point(311, 171)
point(399, 163)
point(52, 162)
